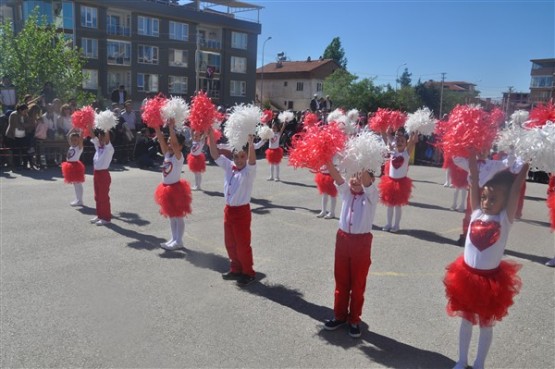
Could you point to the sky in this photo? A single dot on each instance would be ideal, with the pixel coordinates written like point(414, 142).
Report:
point(485, 42)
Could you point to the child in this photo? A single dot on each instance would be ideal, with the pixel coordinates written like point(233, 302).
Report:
point(458, 180)
point(173, 194)
point(479, 285)
point(101, 177)
point(73, 169)
point(395, 187)
point(274, 153)
point(324, 183)
point(238, 181)
point(352, 248)
point(196, 160)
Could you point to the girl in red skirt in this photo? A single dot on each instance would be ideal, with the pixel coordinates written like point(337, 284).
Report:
point(479, 286)
point(196, 160)
point(73, 169)
point(326, 187)
point(458, 179)
point(274, 153)
point(395, 187)
point(173, 194)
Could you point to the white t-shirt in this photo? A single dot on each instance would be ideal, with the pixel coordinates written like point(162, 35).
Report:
point(486, 239)
point(196, 148)
point(357, 210)
point(274, 141)
point(103, 155)
point(171, 168)
point(399, 164)
point(74, 153)
point(237, 183)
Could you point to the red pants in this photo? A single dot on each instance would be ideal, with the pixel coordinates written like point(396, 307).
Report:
point(102, 180)
point(237, 235)
point(352, 263)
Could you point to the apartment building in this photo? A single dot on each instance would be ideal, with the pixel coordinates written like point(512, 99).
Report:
point(542, 81)
point(161, 45)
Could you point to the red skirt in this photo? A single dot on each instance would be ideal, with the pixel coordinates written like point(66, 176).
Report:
point(274, 156)
point(481, 296)
point(73, 171)
point(447, 162)
point(197, 163)
point(175, 199)
point(325, 184)
point(551, 206)
point(459, 176)
point(395, 192)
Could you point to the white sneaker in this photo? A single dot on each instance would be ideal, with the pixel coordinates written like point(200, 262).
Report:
point(446, 184)
point(329, 216)
point(172, 246)
point(76, 203)
point(460, 366)
point(551, 263)
point(270, 178)
point(461, 209)
point(195, 188)
point(94, 220)
point(394, 229)
point(321, 214)
point(386, 228)
point(276, 180)
point(102, 222)
point(453, 207)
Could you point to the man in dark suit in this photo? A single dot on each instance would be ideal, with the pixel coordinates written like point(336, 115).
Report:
point(119, 96)
point(314, 103)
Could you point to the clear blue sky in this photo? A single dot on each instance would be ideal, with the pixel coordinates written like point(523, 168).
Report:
point(489, 43)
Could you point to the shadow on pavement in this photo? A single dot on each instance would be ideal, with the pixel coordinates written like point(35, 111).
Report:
point(428, 236)
point(428, 206)
point(141, 241)
point(298, 184)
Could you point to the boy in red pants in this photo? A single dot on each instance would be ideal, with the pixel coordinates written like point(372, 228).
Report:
point(352, 248)
point(101, 178)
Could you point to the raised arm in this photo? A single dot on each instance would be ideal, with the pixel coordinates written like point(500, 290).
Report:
point(334, 173)
point(161, 140)
point(413, 139)
point(173, 139)
point(251, 154)
point(214, 152)
point(514, 194)
point(474, 188)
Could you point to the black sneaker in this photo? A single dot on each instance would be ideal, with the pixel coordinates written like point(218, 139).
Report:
point(333, 324)
point(231, 276)
point(244, 280)
point(354, 330)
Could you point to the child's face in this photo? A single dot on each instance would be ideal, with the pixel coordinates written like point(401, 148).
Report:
point(401, 143)
point(493, 199)
point(74, 140)
point(197, 136)
point(240, 159)
point(172, 149)
point(355, 183)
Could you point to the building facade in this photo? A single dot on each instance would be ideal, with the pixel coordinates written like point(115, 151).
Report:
point(292, 84)
point(156, 46)
point(542, 81)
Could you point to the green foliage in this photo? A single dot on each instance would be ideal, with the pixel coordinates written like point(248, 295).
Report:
point(40, 54)
point(336, 52)
point(405, 80)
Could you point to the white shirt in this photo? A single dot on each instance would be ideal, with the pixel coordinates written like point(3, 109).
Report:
point(171, 168)
point(65, 123)
point(237, 183)
point(51, 122)
point(274, 141)
point(399, 164)
point(103, 155)
point(196, 148)
point(74, 153)
point(130, 118)
point(357, 210)
point(486, 239)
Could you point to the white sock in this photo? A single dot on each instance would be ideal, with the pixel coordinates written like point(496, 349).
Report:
point(398, 213)
point(277, 170)
point(324, 202)
point(463, 198)
point(180, 222)
point(389, 215)
point(271, 170)
point(465, 334)
point(198, 179)
point(78, 191)
point(455, 198)
point(447, 177)
point(484, 343)
point(332, 205)
point(173, 227)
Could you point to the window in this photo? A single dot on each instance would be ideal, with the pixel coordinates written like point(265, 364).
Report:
point(118, 24)
point(119, 52)
point(90, 47)
point(147, 26)
point(300, 86)
point(90, 81)
point(178, 58)
point(89, 17)
point(209, 38)
point(239, 40)
point(209, 62)
point(179, 31)
point(285, 84)
point(177, 85)
point(44, 9)
point(536, 66)
point(147, 54)
point(67, 14)
point(238, 88)
point(147, 82)
point(542, 81)
point(117, 78)
point(318, 86)
point(211, 86)
point(238, 65)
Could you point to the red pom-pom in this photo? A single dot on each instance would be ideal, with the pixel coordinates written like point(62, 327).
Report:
point(151, 111)
point(386, 118)
point(497, 116)
point(310, 119)
point(267, 116)
point(551, 206)
point(217, 134)
point(468, 129)
point(316, 146)
point(203, 112)
point(83, 119)
point(540, 115)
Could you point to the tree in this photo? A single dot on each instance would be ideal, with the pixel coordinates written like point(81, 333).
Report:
point(338, 86)
point(335, 51)
point(39, 54)
point(405, 80)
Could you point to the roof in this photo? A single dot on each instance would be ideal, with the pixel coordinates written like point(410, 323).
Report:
point(295, 66)
point(234, 4)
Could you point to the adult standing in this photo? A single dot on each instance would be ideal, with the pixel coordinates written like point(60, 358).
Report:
point(8, 95)
point(130, 117)
point(327, 104)
point(119, 96)
point(314, 103)
point(15, 134)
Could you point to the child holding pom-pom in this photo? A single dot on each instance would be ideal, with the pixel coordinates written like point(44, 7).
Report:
point(173, 194)
point(479, 285)
point(196, 160)
point(326, 188)
point(395, 187)
point(73, 169)
point(274, 153)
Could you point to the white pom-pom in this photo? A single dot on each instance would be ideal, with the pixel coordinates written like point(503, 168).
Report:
point(336, 116)
point(422, 121)
point(538, 147)
point(364, 152)
point(519, 117)
point(105, 120)
point(509, 138)
point(176, 108)
point(265, 132)
point(241, 123)
point(286, 116)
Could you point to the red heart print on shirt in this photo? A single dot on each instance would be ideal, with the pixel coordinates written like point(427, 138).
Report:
point(484, 234)
point(168, 166)
point(397, 161)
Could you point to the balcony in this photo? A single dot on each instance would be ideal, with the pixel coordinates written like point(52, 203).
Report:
point(207, 43)
point(117, 30)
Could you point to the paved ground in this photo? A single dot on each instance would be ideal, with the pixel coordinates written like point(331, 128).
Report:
point(77, 295)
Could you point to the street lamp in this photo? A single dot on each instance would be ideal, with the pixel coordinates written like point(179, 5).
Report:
point(262, 73)
point(397, 74)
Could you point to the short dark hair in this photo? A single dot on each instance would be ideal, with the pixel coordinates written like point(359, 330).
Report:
point(501, 179)
point(21, 107)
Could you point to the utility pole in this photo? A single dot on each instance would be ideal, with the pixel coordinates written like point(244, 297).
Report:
point(508, 106)
point(441, 96)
